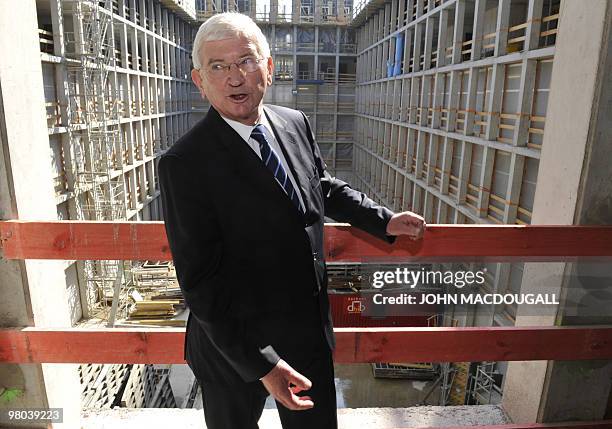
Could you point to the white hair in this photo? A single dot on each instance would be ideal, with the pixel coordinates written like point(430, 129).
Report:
point(228, 25)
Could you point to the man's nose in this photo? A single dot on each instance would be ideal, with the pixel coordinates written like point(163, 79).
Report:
point(235, 75)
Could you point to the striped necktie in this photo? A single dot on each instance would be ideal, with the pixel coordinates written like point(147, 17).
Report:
point(272, 161)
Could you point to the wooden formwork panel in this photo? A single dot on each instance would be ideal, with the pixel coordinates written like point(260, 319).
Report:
point(163, 397)
point(148, 387)
point(88, 373)
point(101, 391)
point(134, 394)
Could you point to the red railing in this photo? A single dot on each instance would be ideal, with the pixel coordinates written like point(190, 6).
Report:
point(354, 345)
point(72, 240)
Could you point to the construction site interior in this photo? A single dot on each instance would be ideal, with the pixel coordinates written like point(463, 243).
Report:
point(442, 107)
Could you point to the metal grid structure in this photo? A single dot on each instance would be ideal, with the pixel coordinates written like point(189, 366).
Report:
point(483, 384)
point(450, 110)
point(94, 132)
point(115, 74)
point(117, 91)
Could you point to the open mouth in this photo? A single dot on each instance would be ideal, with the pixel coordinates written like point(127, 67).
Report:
point(239, 97)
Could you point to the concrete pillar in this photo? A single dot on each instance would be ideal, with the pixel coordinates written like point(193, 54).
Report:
point(574, 161)
point(33, 293)
point(273, 17)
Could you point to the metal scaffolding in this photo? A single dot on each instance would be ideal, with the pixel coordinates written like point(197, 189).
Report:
point(95, 137)
point(483, 385)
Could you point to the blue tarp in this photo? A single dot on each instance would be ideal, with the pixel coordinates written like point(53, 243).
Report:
point(399, 53)
point(395, 68)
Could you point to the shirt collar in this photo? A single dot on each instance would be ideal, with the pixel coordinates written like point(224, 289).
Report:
point(245, 130)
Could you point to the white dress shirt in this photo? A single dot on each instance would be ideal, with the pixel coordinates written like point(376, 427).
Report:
point(245, 132)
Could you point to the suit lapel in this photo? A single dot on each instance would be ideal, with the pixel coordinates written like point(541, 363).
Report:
point(287, 141)
point(247, 164)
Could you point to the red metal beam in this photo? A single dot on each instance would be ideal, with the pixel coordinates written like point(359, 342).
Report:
point(354, 345)
point(147, 240)
point(471, 344)
point(482, 242)
point(70, 240)
point(100, 345)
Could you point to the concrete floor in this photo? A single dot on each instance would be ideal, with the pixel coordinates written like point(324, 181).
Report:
point(356, 387)
point(181, 379)
point(348, 418)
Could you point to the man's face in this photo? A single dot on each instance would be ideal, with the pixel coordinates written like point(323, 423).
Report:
point(235, 94)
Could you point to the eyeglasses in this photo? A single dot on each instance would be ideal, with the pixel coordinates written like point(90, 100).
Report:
point(245, 65)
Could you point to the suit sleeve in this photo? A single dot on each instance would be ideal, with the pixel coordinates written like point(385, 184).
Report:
point(345, 204)
point(196, 244)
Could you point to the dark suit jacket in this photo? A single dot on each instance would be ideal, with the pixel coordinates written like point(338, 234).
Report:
point(251, 266)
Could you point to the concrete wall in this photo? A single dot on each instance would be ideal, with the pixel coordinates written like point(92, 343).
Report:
point(32, 293)
point(571, 191)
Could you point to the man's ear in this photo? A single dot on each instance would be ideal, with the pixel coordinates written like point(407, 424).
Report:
point(197, 80)
point(270, 66)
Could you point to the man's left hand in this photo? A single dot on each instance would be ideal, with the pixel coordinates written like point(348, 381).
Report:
point(407, 223)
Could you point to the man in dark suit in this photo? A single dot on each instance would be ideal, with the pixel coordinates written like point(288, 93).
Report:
point(244, 195)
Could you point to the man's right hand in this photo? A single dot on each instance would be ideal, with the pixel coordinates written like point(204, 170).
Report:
point(278, 382)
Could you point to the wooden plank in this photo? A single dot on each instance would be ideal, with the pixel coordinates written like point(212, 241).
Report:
point(503, 18)
point(471, 344)
point(447, 159)
point(453, 99)
point(416, 49)
point(517, 27)
point(452, 242)
point(516, 40)
point(549, 32)
point(82, 240)
point(442, 37)
point(354, 345)
point(534, 23)
point(495, 101)
point(72, 240)
point(471, 102)
point(458, 31)
point(486, 176)
point(78, 345)
point(525, 98)
point(493, 219)
point(464, 169)
point(429, 26)
point(478, 29)
point(496, 210)
point(550, 18)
